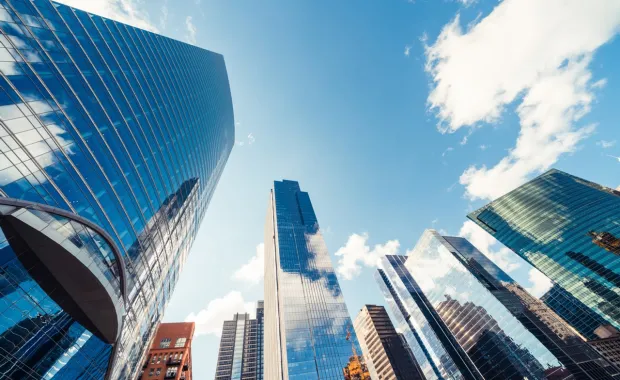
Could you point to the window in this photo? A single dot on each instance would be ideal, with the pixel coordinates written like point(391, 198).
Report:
point(180, 342)
point(165, 343)
point(151, 372)
point(172, 371)
point(158, 372)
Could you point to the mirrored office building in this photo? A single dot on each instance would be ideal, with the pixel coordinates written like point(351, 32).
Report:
point(112, 140)
point(461, 320)
point(569, 229)
point(308, 331)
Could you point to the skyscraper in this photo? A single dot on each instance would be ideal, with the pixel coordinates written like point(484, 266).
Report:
point(241, 347)
point(387, 355)
point(569, 229)
point(469, 322)
point(308, 331)
point(170, 356)
point(112, 140)
point(574, 312)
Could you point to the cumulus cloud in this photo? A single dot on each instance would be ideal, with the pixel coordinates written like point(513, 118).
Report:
point(125, 11)
point(210, 319)
point(540, 283)
point(191, 30)
point(606, 144)
point(534, 52)
point(357, 253)
point(253, 271)
point(490, 247)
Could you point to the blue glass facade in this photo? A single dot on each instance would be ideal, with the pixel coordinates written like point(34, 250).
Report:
point(459, 321)
point(126, 129)
point(308, 331)
point(569, 229)
point(574, 312)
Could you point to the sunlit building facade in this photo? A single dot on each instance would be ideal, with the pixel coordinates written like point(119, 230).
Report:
point(308, 331)
point(241, 347)
point(170, 356)
point(112, 140)
point(465, 323)
point(569, 229)
point(387, 355)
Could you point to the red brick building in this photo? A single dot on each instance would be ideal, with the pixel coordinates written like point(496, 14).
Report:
point(170, 357)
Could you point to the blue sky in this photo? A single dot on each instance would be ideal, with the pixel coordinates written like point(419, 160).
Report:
point(396, 116)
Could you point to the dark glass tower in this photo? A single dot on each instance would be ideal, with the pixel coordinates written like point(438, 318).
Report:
point(569, 229)
point(241, 347)
point(112, 140)
point(573, 311)
point(466, 322)
point(308, 331)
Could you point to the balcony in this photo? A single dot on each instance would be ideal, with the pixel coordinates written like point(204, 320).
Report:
point(173, 362)
point(170, 376)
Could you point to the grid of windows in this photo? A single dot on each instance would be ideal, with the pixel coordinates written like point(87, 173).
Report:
point(306, 337)
point(165, 343)
point(126, 128)
point(460, 305)
point(180, 342)
point(569, 229)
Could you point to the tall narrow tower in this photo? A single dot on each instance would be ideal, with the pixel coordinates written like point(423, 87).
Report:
point(306, 319)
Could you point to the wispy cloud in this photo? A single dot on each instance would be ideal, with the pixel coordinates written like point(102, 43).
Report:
point(125, 11)
point(163, 18)
point(253, 271)
point(190, 37)
point(448, 150)
point(616, 157)
point(356, 254)
point(606, 144)
point(251, 139)
point(211, 319)
point(483, 147)
point(407, 50)
point(544, 67)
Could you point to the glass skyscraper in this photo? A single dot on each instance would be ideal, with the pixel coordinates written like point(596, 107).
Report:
point(462, 321)
point(241, 347)
point(569, 229)
point(308, 331)
point(112, 140)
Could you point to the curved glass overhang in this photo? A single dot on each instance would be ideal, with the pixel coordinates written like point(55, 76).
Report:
point(72, 260)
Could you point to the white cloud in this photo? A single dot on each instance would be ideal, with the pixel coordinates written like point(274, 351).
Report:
point(540, 283)
point(210, 319)
point(407, 50)
point(191, 30)
point(484, 147)
point(448, 150)
point(125, 11)
point(163, 19)
point(616, 157)
point(606, 144)
point(251, 139)
point(356, 253)
point(530, 51)
point(491, 248)
point(253, 271)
